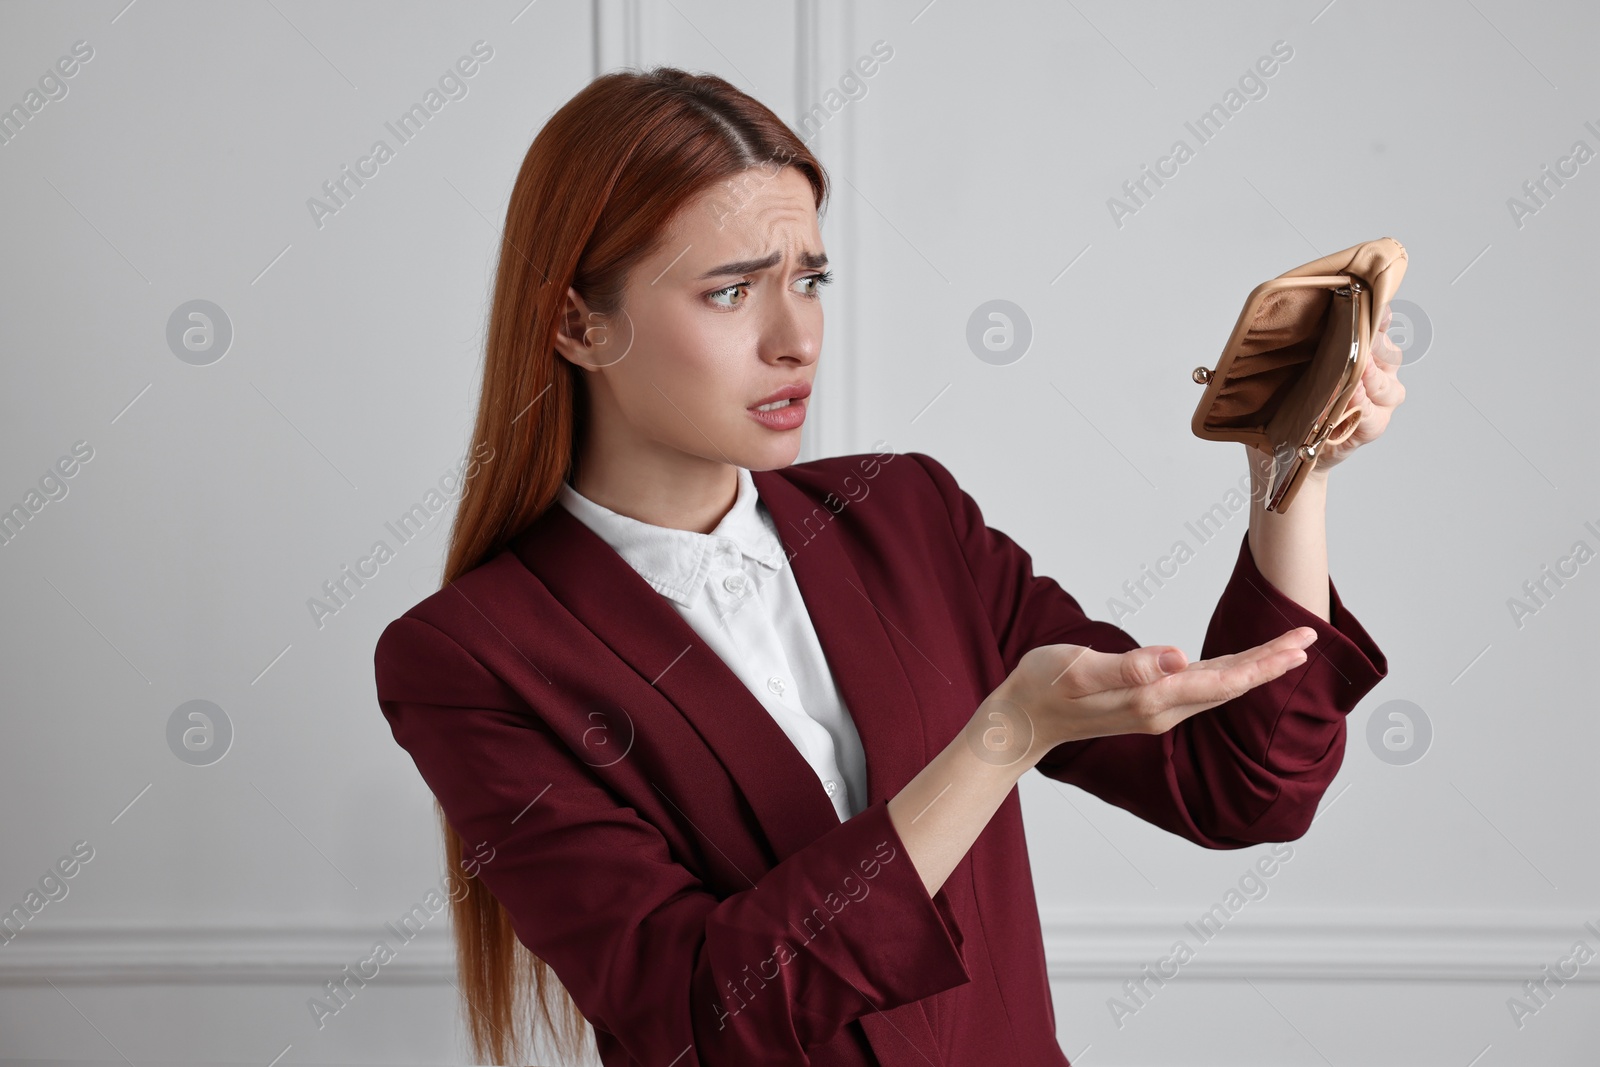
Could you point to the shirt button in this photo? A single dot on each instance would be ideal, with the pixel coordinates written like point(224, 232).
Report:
point(775, 684)
point(733, 583)
point(831, 786)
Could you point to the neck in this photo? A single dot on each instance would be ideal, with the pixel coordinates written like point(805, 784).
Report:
point(659, 486)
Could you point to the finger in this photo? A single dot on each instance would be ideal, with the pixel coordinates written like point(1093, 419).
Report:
point(1299, 637)
point(1382, 385)
point(1141, 666)
point(1365, 429)
point(1374, 420)
point(1164, 704)
point(1211, 688)
point(1369, 426)
point(1381, 389)
point(1087, 671)
point(1385, 353)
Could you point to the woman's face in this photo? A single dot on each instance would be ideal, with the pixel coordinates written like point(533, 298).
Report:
point(726, 313)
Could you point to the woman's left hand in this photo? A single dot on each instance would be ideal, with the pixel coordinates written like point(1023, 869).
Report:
point(1377, 395)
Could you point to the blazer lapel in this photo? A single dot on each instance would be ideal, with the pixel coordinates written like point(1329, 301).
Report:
point(607, 595)
point(854, 636)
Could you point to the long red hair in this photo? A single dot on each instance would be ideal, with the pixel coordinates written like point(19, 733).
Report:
point(597, 189)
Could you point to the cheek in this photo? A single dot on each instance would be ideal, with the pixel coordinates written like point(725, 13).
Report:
point(686, 372)
point(712, 380)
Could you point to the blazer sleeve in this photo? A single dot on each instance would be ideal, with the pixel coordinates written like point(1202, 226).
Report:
point(650, 954)
point(1245, 772)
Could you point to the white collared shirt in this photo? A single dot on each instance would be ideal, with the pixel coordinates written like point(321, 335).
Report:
point(735, 588)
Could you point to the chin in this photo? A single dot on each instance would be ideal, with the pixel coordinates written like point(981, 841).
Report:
point(775, 454)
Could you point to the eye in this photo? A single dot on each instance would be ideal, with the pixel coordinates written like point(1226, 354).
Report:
point(729, 291)
point(818, 281)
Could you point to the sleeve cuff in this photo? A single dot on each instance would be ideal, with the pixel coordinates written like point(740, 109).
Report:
point(851, 908)
point(915, 952)
point(1252, 611)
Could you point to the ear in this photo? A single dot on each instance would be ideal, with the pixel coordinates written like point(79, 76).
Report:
point(576, 331)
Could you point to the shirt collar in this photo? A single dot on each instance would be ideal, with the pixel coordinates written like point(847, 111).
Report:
point(676, 562)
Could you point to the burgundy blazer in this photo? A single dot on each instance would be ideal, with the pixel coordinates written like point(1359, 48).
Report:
point(657, 839)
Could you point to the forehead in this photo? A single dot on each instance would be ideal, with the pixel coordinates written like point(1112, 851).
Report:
point(752, 212)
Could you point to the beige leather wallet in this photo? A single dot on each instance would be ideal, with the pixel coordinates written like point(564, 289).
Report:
point(1285, 379)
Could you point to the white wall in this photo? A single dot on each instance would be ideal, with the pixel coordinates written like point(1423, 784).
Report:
point(977, 165)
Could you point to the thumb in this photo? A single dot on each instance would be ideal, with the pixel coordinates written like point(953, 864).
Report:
point(1141, 666)
point(1172, 660)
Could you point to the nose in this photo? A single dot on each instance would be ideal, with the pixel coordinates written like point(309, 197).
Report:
point(792, 331)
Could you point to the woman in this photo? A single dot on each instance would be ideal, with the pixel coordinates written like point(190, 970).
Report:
point(733, 742)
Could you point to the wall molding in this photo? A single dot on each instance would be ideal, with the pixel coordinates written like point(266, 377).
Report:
point(824, 37)
point(618, 34)
point(1369, 946)
point(1481, 947)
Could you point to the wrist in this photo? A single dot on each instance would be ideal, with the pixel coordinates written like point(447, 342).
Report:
point(1003, 732)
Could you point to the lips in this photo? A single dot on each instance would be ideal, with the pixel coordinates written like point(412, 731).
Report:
point(795, 391)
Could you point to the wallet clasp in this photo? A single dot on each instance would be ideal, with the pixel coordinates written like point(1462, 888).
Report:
point(1323, 426)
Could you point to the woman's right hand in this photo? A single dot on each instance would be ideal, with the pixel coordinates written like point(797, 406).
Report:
point(1060, 693)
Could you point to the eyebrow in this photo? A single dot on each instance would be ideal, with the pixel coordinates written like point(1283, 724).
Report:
point(813, 260)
